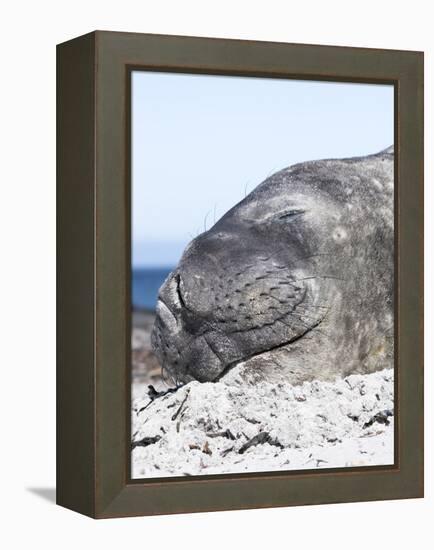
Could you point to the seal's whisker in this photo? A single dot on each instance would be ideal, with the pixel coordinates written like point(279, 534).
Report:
point(309, 327)
point(302, 312)
point(310, 319)
point(308, 304)
point(166, 376)
point(204, 220)
point(314, 326)
point(309, 307)
point(274, 298)
point(318, 277)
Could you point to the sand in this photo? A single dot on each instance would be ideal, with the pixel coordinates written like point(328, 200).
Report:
point(231, 427)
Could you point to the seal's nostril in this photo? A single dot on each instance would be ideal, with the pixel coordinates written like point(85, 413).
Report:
point(178, 290)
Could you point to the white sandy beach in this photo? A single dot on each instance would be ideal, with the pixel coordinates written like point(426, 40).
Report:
point(232, 427)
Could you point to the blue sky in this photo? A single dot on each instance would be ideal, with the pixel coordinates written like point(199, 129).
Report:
point(201, 142)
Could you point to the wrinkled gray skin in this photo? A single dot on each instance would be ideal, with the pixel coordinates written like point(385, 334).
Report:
point(297, 279)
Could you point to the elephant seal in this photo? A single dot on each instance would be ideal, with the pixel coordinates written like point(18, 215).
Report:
point(297, 278)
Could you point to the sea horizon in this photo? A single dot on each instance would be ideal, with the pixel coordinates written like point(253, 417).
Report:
point(145, 284)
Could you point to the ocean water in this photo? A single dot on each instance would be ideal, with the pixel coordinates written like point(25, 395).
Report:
point(146, 282)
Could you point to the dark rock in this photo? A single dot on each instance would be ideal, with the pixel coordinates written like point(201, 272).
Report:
point(381, 417)
point(260, 439)
point(145, 441)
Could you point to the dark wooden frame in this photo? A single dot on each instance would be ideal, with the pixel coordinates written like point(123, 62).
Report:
point(93, 373)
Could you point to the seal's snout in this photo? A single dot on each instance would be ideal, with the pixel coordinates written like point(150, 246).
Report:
point(213, 314)
point(230, 298)
point(182, 335)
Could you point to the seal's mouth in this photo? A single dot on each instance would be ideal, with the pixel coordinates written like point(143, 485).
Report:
point(180, 366)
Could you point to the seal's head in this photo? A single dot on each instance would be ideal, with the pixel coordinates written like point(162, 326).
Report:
point(242, 288)
point(267, 273)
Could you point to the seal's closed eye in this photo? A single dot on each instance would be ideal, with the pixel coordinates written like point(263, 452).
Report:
point(291, 214)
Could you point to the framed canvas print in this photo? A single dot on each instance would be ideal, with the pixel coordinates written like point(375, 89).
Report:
point(240, 260)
